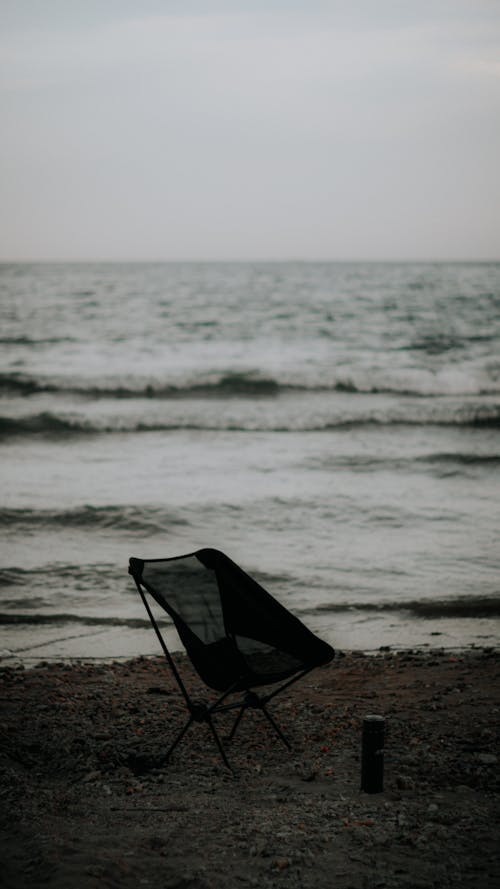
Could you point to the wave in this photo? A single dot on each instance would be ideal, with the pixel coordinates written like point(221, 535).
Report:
point(483, 417)
point(220, 385)
point(18, 384)
point(148, 520)
point(9, 617)
point(463, 459)
point(445, 463)
point(230, 384)
point(52, 425)
point(42, 583)
point(45, 423)
point(34, 342)
point(460, 607)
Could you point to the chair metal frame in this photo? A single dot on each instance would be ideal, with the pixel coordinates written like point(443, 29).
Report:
point(201, 711)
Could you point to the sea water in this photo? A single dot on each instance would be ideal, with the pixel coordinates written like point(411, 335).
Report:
point(332, 427)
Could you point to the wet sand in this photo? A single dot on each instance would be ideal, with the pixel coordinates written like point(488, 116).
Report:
point(85, 801)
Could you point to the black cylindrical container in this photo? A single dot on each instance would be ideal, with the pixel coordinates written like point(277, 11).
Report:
point(372, 754)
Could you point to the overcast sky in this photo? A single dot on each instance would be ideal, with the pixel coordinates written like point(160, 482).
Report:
point(244, 129)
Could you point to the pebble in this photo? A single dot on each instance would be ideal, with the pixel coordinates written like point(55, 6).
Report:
point(281, 863)
point(91, 776)
point(404, 782)
point(487, 759)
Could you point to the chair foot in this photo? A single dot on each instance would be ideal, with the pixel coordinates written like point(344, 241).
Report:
point(177, 740)
point(276, 727)
point(219, 744)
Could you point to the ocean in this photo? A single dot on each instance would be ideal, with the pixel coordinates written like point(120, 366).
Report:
point(332, 427)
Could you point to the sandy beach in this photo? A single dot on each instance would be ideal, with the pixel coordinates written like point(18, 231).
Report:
point(249, 323)
point(84, 802)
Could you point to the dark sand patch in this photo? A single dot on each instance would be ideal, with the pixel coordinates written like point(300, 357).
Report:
point(82, 803)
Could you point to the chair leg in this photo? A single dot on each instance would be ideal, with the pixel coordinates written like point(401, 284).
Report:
point(236, 722)
point(183, 731)
point(202, 714)
point(276, 727)
point(219, 743)
point(178, 739)
point(258, 703)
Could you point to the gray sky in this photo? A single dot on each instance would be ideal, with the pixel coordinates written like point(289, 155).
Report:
point(238, 130)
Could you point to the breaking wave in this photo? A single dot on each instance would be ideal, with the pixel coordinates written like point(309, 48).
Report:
point(149, 520)
point(238, 384)
point(53, 425)
point(45, 423)
point(223, 385)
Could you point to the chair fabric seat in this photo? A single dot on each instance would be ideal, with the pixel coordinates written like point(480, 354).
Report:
point(272, 666)
point(242, 664)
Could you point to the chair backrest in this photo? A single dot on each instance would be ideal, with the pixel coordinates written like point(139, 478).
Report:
point(189, 593)
point(211, 599)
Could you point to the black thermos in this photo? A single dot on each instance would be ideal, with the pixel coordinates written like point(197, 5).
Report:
point(372, 754)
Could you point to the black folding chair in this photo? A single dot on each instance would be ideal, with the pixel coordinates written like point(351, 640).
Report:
point(236, 635)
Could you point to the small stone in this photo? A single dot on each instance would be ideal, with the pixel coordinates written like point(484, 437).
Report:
point(404, 782)
point(487, 759)
point(91, 776)
point(281, 863)
point(306, 771)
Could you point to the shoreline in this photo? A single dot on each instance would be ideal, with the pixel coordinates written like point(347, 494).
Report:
point(16, 662)
point(86, 802)
point(33, 643)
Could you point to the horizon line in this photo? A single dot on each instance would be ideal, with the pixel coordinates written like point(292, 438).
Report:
point(241, 261)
